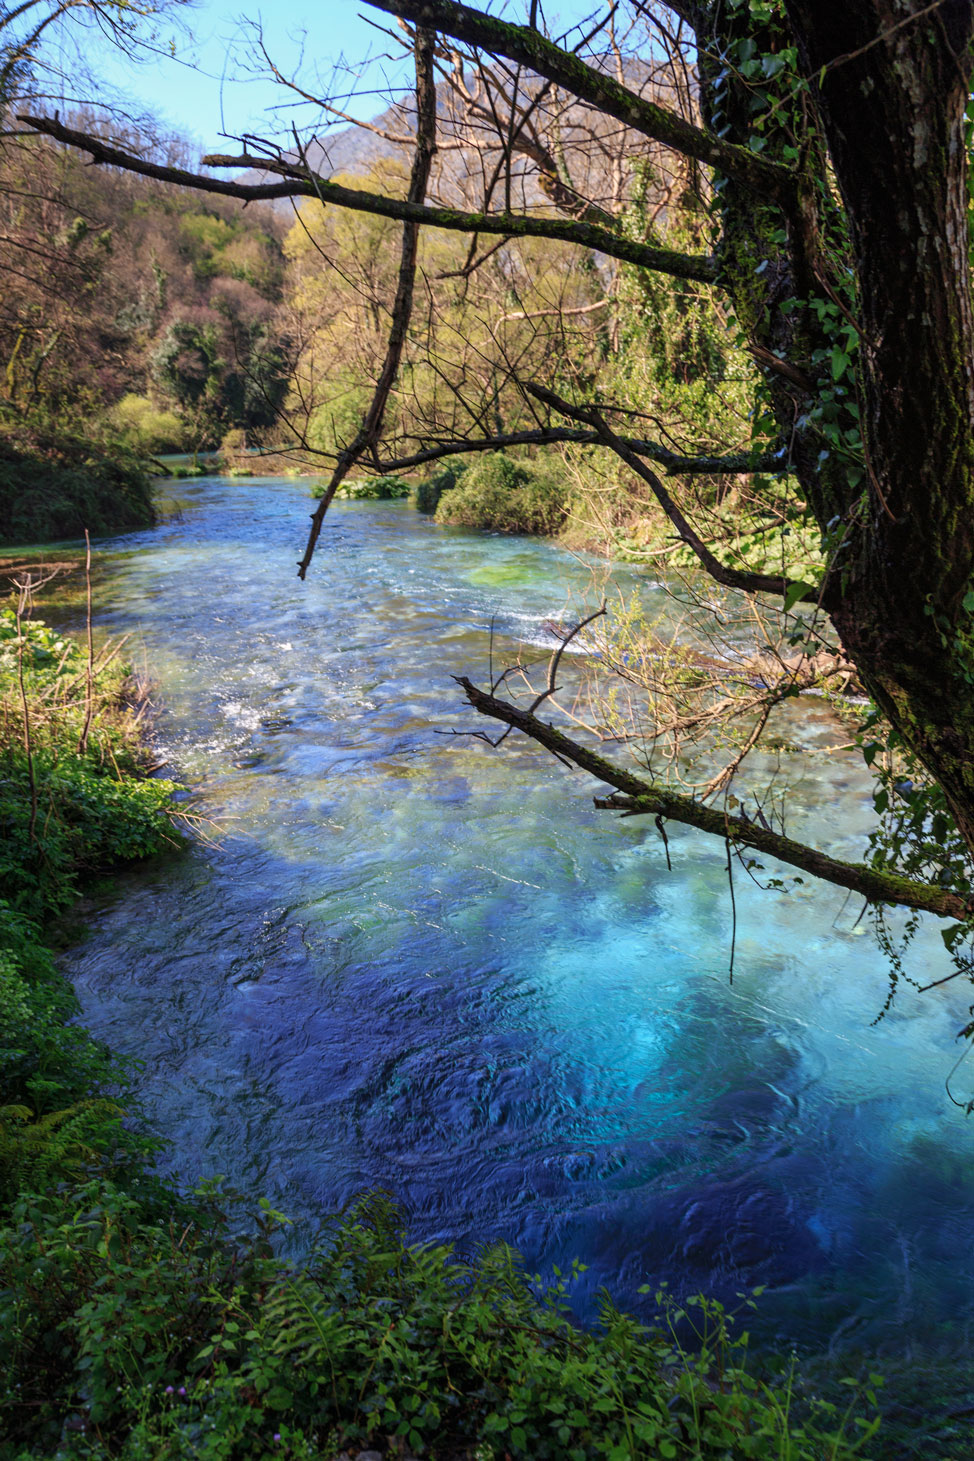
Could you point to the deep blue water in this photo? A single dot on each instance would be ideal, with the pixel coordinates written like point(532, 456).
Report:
point(415, 963)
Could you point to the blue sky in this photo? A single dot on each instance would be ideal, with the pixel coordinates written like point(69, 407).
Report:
point(209, 87)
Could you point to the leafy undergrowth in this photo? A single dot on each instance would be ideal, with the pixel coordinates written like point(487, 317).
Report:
point(72, 803)
point(58, 487)
point(136, 1323)
point(138, 1335)
point(72, 799)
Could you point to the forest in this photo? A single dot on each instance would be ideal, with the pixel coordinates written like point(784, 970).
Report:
point(623, 370)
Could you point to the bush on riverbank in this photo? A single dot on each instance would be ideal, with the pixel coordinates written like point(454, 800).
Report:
point(161, 1340)
point(501, 495)
point(428, 493)
point(58, 491)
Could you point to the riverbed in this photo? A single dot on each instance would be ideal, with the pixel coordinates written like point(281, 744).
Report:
point(397, 958)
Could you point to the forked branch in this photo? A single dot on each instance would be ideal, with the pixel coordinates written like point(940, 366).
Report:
point(530, 48)
point(633, 796)
point(299, 181)
point(723, 573)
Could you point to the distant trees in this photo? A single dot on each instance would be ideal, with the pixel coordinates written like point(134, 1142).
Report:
point(823, 150)
point(114, 288)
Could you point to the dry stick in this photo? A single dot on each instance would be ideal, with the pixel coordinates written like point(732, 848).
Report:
point(107, 657)
point(556, 657)
point(368, 434)
point(90, 669)
point(28, 746)
point(635, 797)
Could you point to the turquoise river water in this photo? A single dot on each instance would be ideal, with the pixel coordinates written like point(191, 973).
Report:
point(415, 963)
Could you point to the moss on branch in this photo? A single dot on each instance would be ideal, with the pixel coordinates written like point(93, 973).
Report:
point(633, 796)
point(298, 182)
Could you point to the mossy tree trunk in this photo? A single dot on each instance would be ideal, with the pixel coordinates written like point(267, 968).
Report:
point(891, 91)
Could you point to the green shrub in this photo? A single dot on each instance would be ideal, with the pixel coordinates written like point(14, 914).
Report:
point(428, 493)
point(506, 496)
point(43, 499)
point(169, 1339)
point(144, 427)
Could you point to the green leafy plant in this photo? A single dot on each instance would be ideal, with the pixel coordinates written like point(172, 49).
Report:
point(171, 1339)
point(366, 488)
point(502, 495)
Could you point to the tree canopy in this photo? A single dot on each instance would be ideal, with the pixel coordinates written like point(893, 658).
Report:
point(805, 165)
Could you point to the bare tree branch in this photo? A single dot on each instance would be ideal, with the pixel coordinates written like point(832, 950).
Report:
point(674, 464)
point(368, 434)
point(739, 578)
point(635, 797)
point(526, 45)
point(302, 183)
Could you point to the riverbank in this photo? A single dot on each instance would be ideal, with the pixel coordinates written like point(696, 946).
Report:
point(138, 1322)
point(57, 488)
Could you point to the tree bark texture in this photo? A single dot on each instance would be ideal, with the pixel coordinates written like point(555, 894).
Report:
point(891, 78)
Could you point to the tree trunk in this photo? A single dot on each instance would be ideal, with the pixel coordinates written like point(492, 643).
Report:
point(892, 99)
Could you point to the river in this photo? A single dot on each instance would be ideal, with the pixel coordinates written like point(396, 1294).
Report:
point(414, 963)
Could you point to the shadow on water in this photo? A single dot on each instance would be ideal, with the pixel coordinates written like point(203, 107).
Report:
point(417, 964)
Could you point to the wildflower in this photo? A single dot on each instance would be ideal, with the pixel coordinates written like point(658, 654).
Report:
point(169, 1390)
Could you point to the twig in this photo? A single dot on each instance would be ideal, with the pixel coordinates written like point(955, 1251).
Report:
point(90, 667)
point(730, 884)
point(22, 601)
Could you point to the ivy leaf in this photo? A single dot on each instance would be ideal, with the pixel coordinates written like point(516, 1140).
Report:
point(953, 935)
point(795, 592)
